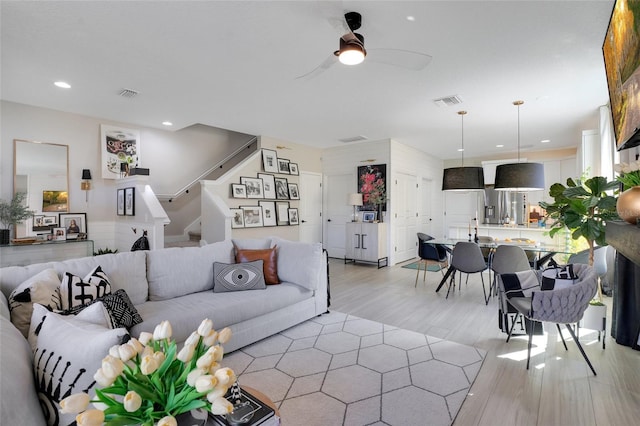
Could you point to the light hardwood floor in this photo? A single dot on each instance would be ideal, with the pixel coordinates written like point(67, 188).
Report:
point(559, 388)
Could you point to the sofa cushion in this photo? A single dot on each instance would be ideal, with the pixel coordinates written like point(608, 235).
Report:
point(252, 243)
point(76, 291)
point(119, 309)
point(270, 262)
point(291, 255)
point(19, 403)
point(43, 288)
point(126, 270)
point(177, 271)
point(95, 314)
point(67, 355)
point(238, 276)
point(224, 309)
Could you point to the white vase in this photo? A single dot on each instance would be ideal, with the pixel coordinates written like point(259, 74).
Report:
point(594, 318)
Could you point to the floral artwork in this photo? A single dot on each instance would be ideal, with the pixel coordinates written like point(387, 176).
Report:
point(119, 147)
point(372, 186)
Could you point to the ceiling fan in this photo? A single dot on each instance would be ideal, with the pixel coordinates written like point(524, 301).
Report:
point(353, 52)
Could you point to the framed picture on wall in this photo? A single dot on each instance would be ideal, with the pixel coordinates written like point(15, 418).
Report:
point(282, 188)
point(252, 216)
point(74, 224)
point(283, 166)
point(120, 202)
point(120, 146)
point(254, 187)
point(237, 221)
point(130, 201)
point(293, 216)
point(268, 213)
point(293, 169)
point(49, 221)
point(269, 185)
point(269, 161)
point(293, 191)
point(368, 216)
point(282, 212)
point(238, 190)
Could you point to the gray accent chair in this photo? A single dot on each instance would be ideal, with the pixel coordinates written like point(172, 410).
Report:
point(562, 306)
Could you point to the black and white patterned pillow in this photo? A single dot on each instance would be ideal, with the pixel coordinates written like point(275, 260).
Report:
point(558, 276)
point(121, 310)
point(75, 291)
point(67, 355)
point(238, 276)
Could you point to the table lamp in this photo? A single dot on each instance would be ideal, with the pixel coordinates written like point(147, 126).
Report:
point(355, 200)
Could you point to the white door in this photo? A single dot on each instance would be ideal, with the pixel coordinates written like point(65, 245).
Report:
point(310, 207)
point(336, 212)
point(406, 216)
point(425, 218)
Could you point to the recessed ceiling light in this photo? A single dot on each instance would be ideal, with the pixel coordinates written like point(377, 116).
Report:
point(499, 146)
point(545, 141)
point(460, 149)
point(63, 84)
point(167, 123)
point(411, 18)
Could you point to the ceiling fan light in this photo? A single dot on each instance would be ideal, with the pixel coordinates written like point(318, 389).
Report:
point(352, 54)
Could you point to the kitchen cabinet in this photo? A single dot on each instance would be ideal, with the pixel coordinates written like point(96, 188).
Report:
point(366, 242)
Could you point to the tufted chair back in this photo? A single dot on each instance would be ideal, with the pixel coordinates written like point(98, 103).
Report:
point(566, 305)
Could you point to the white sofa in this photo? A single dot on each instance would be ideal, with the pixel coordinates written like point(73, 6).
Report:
point(172, 284)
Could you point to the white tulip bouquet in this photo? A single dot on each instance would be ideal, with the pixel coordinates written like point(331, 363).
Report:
point(629, 173)
point(147, 381)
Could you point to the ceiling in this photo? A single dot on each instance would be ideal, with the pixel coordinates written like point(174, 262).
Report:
point(234, 65)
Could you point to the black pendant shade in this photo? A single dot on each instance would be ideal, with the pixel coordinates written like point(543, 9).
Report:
point(463, 179)
point(520, 177)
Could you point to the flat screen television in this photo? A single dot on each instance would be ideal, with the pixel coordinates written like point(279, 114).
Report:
point(621, 50)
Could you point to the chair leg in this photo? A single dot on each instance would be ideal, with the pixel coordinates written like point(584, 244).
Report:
point(513, 324)
point(530, 343)
point(486, 299)
point(417, 273)
point(424, 276)
point(584, 355)
point(562, 337)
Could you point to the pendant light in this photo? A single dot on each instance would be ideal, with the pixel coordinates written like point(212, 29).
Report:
point(519, 176)
point(463, 178)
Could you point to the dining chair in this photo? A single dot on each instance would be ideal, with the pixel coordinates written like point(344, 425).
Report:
point(467, 257)
point(430, 254)
point(531, 255)
point(560, 306)
point(507, 259)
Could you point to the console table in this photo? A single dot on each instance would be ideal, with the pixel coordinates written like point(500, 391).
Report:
point(625, 327)
point(40, 252)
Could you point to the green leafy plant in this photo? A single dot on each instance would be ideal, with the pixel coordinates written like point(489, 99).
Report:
point(583, 207)
point(105, 250)
point(14, 212)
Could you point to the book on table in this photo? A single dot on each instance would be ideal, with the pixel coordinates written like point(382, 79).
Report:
point(251, 412)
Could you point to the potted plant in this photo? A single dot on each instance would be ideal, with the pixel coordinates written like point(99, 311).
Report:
point(11, 213)
point(583, 207)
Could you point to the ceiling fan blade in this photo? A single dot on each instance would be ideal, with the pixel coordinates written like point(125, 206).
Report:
point(407, 59)
point(325, 65)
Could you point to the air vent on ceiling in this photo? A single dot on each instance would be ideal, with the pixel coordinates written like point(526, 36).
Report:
point(448, 101)
point(128, 93)
point(354, 139)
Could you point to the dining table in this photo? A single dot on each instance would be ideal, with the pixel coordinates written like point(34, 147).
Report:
point(545, 251)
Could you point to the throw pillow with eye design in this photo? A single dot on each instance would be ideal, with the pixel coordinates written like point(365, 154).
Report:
point(238, 276)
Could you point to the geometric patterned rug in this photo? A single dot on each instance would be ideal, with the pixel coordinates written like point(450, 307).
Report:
point(338, 369)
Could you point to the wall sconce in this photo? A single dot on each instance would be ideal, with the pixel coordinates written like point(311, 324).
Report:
point(85, 185)
point(355, 200)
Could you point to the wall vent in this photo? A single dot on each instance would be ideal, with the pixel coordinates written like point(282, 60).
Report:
point(354, 139)
point(448, 101)
point(128, 93)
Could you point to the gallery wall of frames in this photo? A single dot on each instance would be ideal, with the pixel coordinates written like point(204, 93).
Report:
point(272, 193)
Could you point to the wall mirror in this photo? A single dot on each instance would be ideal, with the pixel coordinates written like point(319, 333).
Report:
point(41, 170)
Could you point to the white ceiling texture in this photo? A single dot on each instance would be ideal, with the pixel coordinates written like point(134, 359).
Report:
point(234, 65)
